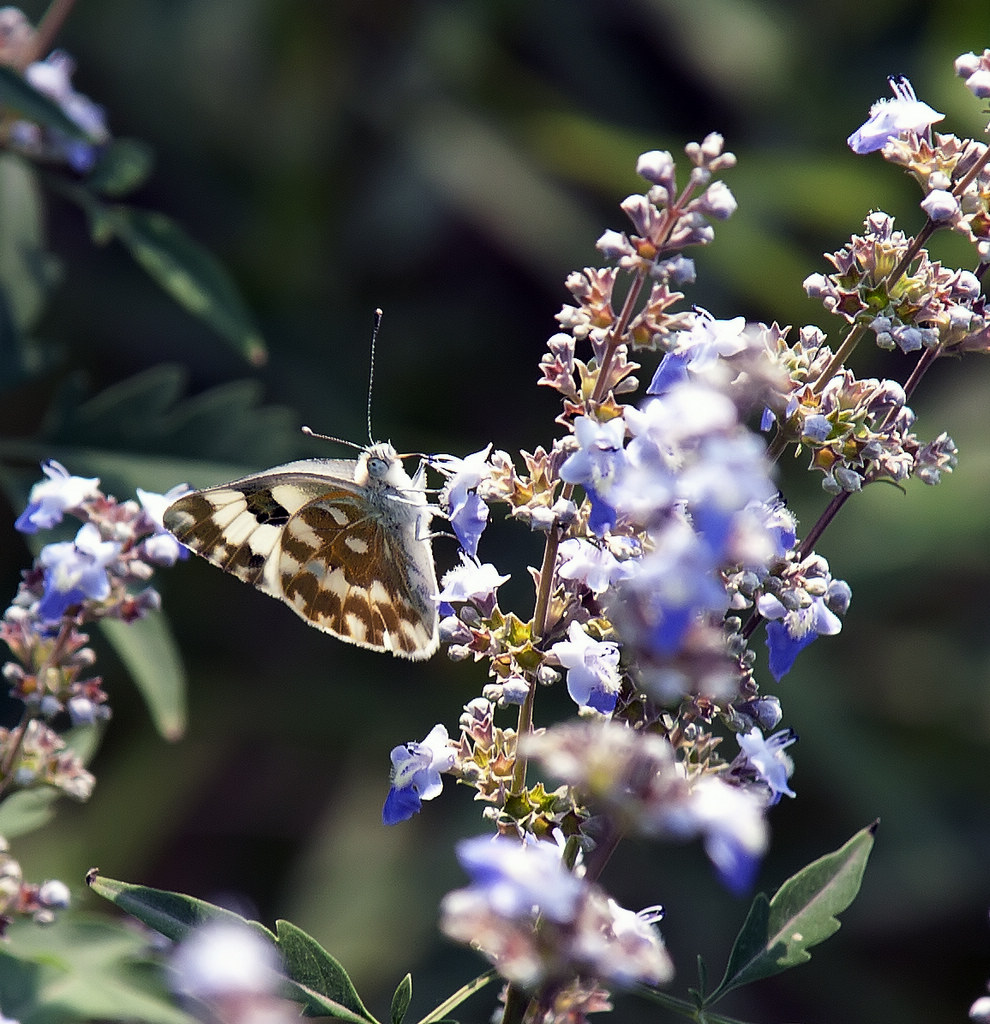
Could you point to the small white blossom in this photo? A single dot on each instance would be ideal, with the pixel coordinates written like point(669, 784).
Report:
point(223, 959)
point(890, 118)
point(765, 756)
point(51, 498)
point(471, 581)
point(593, 565)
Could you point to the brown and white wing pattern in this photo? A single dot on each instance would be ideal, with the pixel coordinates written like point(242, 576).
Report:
point(343, 568)
point(350, 558)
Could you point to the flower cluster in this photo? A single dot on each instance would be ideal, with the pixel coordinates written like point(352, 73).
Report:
point(651, 513)
point(117, 548)
point(20, 898)
point(926, 305)
point(668, 545)
point(544, 926)
point(101, 573)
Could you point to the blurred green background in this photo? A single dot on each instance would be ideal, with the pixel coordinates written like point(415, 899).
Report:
point(451, 162)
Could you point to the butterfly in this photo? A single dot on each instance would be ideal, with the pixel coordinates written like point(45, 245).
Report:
point(343, 542)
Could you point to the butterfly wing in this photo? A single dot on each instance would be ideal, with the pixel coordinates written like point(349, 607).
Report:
point(306, 534)
point(237, 526)
point(351, 570)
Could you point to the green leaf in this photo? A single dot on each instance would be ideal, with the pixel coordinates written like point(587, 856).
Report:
point(319, 981)
point(121, 167)
point(401, 1000)
point(27, 810)
point(19, 95)
point(190, 274)
point(81, 969)
point(151, 655)
point(308, 963)
point(318, 1005)
point(778, 933)
point(170, 913)
point(26, 269)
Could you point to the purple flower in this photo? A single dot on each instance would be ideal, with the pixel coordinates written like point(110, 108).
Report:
point(593, 678)
point(730, 821)
point(74, 571)
point(779, 523)
point(683, 415)
point(676, 582)
point(673, 370)
point(785, 648)
point(615, 245)
point(725, 476)
point(219, 959)
point(940, 205)
point(51, 498)
point(790, 632)
point(890, 118)
point(657, 166)
point(718, 202)
point(816, 428)
point(697, 349)
point(416, 769)
point(467, 513)
point(662, 464)
point(54, 894)
point(52, 77)
point(976, 71)
point(536, 921)
point(596, 465)
point(517, 878)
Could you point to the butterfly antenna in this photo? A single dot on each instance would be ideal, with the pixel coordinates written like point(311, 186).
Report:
point(371, 371)
point(309, 432)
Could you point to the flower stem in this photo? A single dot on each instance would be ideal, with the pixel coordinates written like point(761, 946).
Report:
point(616, 334)
point(842, 353)
point(48, 28)
point(544, 593)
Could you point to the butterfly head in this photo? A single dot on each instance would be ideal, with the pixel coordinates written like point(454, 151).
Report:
point(379, 462)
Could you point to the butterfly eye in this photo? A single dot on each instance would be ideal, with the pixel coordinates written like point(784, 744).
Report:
point(377, 468)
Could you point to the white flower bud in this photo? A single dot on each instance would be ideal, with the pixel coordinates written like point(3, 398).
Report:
point(966, 64)
point(657, 166)
point(940, 205)
point(54, 894)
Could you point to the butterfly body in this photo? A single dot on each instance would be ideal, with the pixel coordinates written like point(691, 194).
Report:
point(343, 542)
